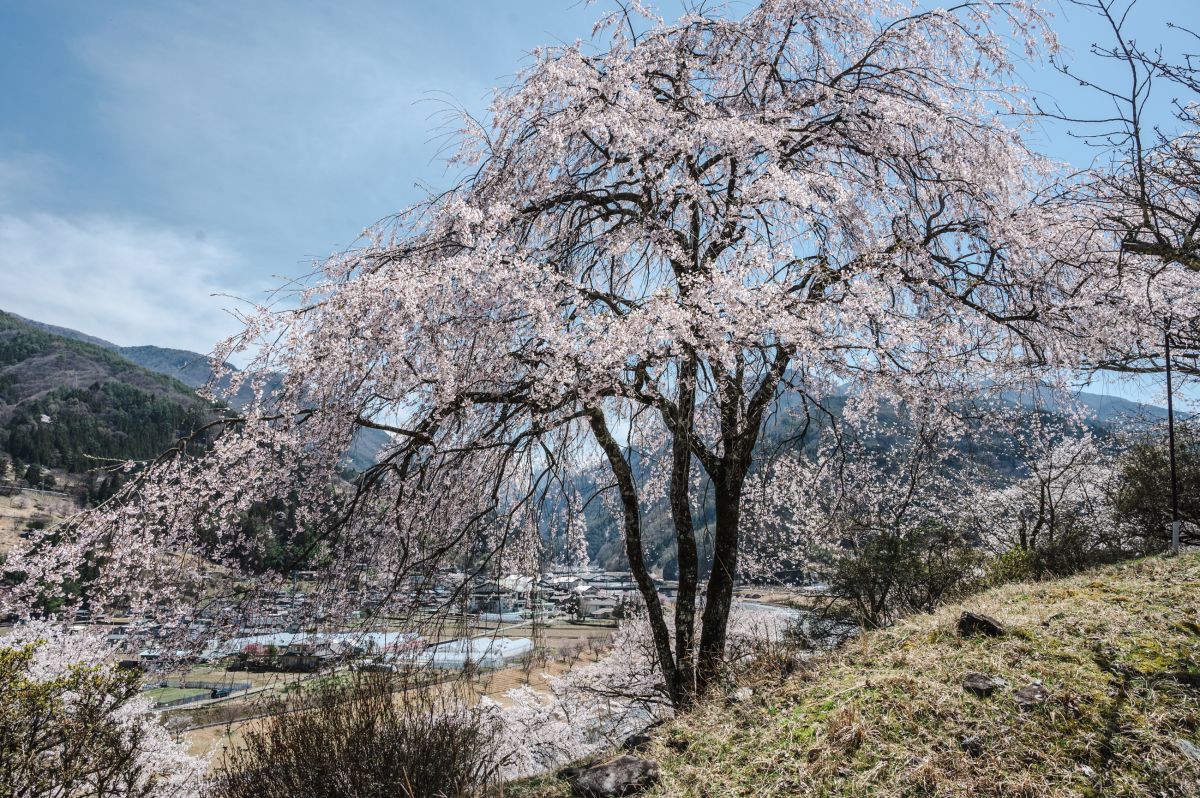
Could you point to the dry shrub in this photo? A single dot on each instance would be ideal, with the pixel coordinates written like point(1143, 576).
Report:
point(376, 735)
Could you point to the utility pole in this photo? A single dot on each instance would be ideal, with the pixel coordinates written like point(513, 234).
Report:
point(1171, 447)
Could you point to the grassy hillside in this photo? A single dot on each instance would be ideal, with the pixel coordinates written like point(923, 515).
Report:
point(1117, 649)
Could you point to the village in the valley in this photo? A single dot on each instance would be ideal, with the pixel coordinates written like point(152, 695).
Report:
point(502, 631)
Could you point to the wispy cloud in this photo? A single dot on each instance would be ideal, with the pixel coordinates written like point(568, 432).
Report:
point(26, 178)
point(297, 122)
point(197, 148)
point(243, 141)
point(125, 280)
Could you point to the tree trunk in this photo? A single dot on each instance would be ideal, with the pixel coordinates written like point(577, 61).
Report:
point(728, 494)
point(685, 538)
point(739, 433)
point(633, 547)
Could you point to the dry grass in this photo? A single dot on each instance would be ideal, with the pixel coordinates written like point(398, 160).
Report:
point(17, 511)
point(214, 737)
point(1117, 648)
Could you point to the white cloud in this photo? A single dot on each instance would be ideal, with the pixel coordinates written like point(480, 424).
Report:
point(125, 280)
point(294, 122)
point(26, 177)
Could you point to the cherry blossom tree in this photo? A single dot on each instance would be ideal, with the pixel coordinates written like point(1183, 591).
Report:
point(1143, 184)
point(1067, 485)
point(660, 244)
point(74, 727)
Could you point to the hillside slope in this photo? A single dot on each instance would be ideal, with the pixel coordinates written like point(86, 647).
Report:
point(190, 368)
point(1117, 649)
point(65, 401)
point(91, 359)
point(34, 361)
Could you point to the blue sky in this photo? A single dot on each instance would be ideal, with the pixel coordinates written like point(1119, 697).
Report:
point(155, 153)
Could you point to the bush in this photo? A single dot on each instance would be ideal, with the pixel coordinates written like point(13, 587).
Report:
point(1142, 498)
point(892, 574)
point(72, 729)
point(377, 735)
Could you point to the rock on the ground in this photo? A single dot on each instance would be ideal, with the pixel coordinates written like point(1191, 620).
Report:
point(626, 775)
point(981, 684)
point(741, 695)
point(1188, 748)
point(1031, 695)
point(635, 742)
point(972, 745)
point(974, 623)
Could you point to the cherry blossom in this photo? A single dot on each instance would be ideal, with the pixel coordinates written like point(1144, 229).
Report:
point(661, 241)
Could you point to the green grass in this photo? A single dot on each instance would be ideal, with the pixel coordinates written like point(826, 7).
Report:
point(164, 695)
point(1118, 649)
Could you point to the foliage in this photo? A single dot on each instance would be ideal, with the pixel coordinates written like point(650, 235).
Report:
point(76, 730)
point(110, 420)
point(1062, 514)
point(100, 486)
point(891, 575)
point(372, 736)
point(1143, 485)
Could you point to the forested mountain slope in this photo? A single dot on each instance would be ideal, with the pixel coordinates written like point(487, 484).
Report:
point(105, 400)
point(989, 452)
point(65, 402)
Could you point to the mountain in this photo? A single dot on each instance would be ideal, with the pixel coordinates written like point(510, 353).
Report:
point(1103, 409)
point(185, 371)
point(989, 450)
point(191, 368)
point(195, 370)
point(65, 400)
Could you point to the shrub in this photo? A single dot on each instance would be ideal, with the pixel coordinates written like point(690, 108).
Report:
point(72, 729)
point(1142, 499)
point(891, 574)
point(375, 735)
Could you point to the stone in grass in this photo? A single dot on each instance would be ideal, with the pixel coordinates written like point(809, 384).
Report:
point(1031, 695)
point(1188, 748)
point(981, 684)
point(739, 696)
point(626, 775)
point(972, 745)
point(974, 623)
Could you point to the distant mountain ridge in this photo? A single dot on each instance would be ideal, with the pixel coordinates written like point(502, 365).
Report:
point(191, 368)
point(67, 402)
point(78, 357)
point(49, 367)
point(1105, 409)
point(988, 450)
